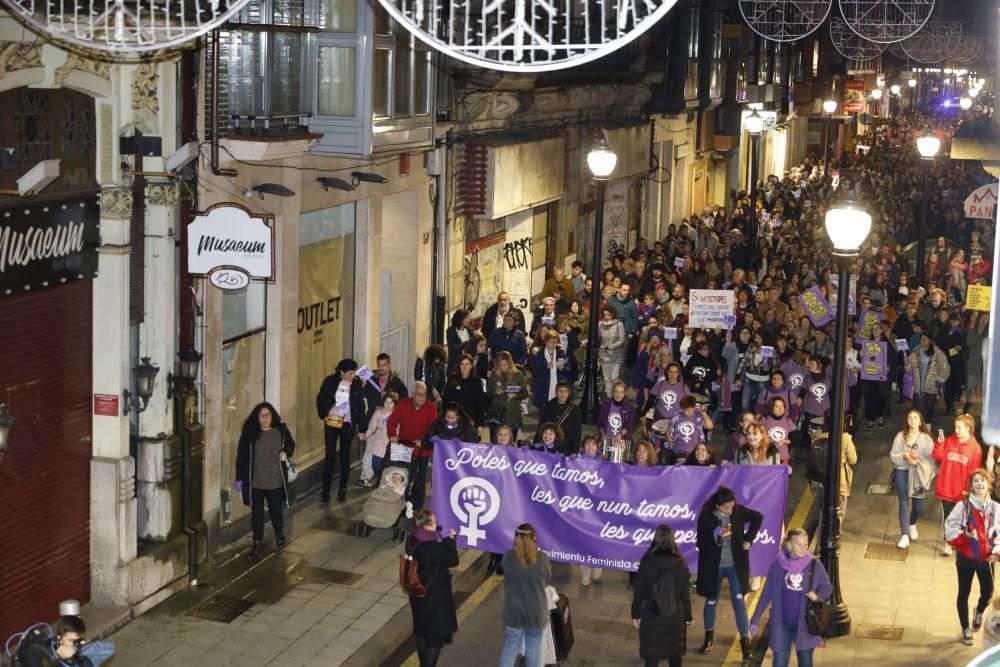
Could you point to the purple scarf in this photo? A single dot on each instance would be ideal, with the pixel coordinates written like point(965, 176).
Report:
point(424, 535)
point(794, 565)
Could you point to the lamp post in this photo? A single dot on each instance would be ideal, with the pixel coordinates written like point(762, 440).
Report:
point(755, 125)
point(829, 107)
point(965, 103)
point(895, 90)
point(847, 226)
point(912, 83)
point(928, 146)
point(601, 161)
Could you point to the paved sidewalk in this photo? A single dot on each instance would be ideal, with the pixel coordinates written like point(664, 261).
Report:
point(329, 598)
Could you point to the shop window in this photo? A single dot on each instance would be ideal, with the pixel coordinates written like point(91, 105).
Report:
point(338, 80)
point(244, 311)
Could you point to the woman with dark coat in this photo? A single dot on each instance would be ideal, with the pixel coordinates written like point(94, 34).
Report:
point(431, 369)
point(662, 633)
point(451, 425)
point(549, 366)
point(341, 405)
point(458, 334)
point(262, 472)
point(468, 391)
point(725, 533)
point(951, 339)
point(434, 617)
point(795, 578)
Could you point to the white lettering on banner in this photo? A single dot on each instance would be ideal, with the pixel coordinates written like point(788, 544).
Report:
point(20, 248)
point(589, 477)
point(530, 468)
point(575, 503)
point(477, 459)
point(649, 510)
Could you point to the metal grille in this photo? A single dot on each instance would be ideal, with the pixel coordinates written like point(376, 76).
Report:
point(879, 489)
point(321, 575)
point(221, 609)
point(395, 342)
point(879, 551)
point(884, 632)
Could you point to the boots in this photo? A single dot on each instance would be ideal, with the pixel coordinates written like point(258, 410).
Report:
point(745, 647)
point(256, 552)
point(706, 648)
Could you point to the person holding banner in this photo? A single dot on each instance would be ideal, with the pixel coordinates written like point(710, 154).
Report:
point(434, 618)
point(725, 533)
point(661, 601)
point(525, 605)
point(617, 415)
point(877, 366)
point(779, 427)
point(688, 427)
point(793, 580)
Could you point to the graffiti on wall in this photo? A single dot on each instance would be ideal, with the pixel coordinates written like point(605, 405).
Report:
point(615, 220)
point(483, 272)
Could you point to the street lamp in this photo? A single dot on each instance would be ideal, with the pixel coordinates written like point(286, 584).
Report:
point(965, 103)
point(973, 92)
point(601, 161)
point(912, 83)
point(877, 94)
point(755, 125)
point(829, 107)
point(928, 146)
point(894, 89)
point(847, 226)
point(145, 379)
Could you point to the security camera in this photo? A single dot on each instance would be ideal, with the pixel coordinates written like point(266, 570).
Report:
point(38, 177)
point(182, 157)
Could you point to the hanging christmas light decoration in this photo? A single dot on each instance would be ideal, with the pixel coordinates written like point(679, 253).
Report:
point(850, 44)
point(969, 48)
point(123, 29)
point(527, 35)
point(935, 42)
point(784, 20)
point(886, 21)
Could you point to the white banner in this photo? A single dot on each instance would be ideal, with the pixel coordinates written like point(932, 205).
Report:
point(709, 307)
point(227, 236)
point(980, 204)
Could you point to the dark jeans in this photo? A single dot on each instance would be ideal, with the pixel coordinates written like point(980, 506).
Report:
point(783, 653)
point(420, 483)
point(967, 569)
point(332, 436)
point(674, 661)
point(925, 404)
point(953, 387)
point(909, 508)
point(273, 498)
point(876, 395)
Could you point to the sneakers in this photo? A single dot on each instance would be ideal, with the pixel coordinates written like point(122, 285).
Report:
point(977, 621)
point(967, 637)
point(365, 482)
point(904, 542)
point(585, 581)
point(946, 550)
point(596, 574)
point(913, 532)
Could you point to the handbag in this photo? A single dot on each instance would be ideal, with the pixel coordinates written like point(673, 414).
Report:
point(334, 421)
point(409, 577)
point(817, 613)
point(291, 471)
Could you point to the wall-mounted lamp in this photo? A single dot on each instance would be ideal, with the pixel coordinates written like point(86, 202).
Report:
point(272, 189)
point(6, 422)
point(338, 183)
point(145, 380)
point(368, 177)
point(190, 360)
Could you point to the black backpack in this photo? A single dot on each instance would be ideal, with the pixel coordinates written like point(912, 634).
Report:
point(665, 599)
point(816, 464)
point(34, 642)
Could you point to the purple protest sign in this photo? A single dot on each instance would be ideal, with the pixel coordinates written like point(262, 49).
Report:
point(902, 345)
point(866, 321)
point(670, 333)
point(767, 351)
point(874, 360)
point(816, 306)
point(730, 321)
point(589, 512)
point(679, 262)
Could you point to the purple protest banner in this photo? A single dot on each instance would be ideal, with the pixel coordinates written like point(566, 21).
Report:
point(866, 321)
point(817, 307)
point(874, 360)
point(589, 512)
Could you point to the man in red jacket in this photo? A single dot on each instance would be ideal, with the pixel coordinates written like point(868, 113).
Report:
point(409, 423)
point(958, 455)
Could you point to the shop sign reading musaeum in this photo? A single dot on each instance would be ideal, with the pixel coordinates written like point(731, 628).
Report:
point(231, 245)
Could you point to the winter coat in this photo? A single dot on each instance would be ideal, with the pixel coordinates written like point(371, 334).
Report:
point(327, 396)
point(244, 462)
point(572, 424)
point(612, 342)
point(513, 341)
point(463, 432)
point(434, 614)
point(980, 518)
point(374, 391)
point(922, 471)
point(470, 394)
point(628, 313)
point(770, 594)
point(540, 375)
point(957, 461)
point(745, 523)
point(489, 324)
point(661, 636)
point(937, 371)
point(496, 388)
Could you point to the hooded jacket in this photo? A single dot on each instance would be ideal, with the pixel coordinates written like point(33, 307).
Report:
point(979, 518)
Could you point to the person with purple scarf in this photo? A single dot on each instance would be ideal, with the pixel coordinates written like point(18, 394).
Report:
point(792, 580)
point(434, 618)
point(616, 415)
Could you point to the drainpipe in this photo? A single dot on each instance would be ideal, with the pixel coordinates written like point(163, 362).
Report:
point(214, 120)
point(439, 260)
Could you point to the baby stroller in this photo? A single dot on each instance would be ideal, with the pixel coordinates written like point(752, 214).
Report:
point(386, 506)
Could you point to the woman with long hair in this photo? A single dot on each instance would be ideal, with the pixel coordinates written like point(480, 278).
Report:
point(958, 456)
point(465, 389)
point(930, 368)
point(342, 406)
point(971, 529)
point(758, 450)
point(725, 533)
point(644, 455)
point(661, 601)
point(912, 455)
point(432, 370)
point(525, 606)
point(611, 350)
point(506, 388)
point(793, 580)
point(434, 618)
point(262, 472)
point(549, 438)
point(458, 334)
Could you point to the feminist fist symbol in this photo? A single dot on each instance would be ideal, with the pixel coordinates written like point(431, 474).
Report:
point(475, 502)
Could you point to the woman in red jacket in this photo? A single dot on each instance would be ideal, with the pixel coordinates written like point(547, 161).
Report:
point(958, 455)
point(972, 529)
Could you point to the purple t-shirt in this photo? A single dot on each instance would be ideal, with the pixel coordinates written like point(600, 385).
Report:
point(668, 398)
point(816, 394)
point(686, 432)
point(793, 591)
point(764, 397)
point(778, 430)
point(795, 375)
point(615, 424)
